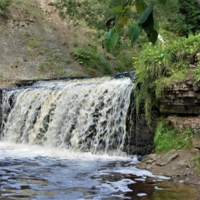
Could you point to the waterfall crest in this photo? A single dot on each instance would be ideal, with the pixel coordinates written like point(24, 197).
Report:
point(85, 115)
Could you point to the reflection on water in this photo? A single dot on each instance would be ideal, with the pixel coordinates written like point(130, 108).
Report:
point(34, 174)
point(162, 190)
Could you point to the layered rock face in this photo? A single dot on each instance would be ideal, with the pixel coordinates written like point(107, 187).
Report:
point(182, 123)
point(183, 101)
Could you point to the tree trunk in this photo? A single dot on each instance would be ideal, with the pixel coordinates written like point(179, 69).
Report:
point(198, 1)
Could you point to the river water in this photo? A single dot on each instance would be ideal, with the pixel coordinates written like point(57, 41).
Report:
point(66, 140)
point(33, 172)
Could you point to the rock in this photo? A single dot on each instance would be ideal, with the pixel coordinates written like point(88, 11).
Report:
point(149, 167)
point(195, 151)
point(192, 66)
point(196, 143)
point(167, 157)
point(152, 158)
point(181, 163)
point(198, 56)
point(187, 172)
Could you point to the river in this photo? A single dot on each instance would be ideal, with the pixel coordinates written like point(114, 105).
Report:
point(33, 172)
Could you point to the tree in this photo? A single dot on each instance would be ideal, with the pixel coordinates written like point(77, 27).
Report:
point(188, 20)
point(118, 14)
point(146, 20)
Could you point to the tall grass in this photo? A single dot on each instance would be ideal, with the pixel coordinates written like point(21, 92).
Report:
point(168, 138)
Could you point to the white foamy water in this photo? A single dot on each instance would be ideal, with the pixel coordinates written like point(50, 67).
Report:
point(87, 115)
point(21, 151)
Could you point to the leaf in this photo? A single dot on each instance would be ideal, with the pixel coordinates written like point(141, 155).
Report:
point(123, 19)
point(153, 37)
point(117, 9)
point(144, 16)
point(148, 25)
point(163, 1)
point(136, 33)
point(140, 6)
point(111, 39)
point(127, 3)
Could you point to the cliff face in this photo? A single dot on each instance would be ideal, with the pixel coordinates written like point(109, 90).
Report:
point(182, 100)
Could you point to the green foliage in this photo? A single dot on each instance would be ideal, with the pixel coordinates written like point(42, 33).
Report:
point(136, 33)
point(54, 63)
point(187, 20)
point(178, 16)
point(160, 66)
point(38, 78)
point(36, 45)
point(124, 61)
point(111, 39)
point(146, 13)
point(4, 4)
point(78, 10)
point(90, 58)
point(167, 138)
point(197, 75)
point(122, 10)
point(145, 22)
point(197, 160)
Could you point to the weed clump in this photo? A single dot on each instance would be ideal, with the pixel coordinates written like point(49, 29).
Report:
point(167, 138)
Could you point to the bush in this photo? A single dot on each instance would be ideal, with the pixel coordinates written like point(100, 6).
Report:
point(188, 17)
point(91, 58)
point(178, 16)
point(4, 4)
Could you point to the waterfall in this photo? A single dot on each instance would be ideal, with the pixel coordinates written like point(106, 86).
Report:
point(81, 115)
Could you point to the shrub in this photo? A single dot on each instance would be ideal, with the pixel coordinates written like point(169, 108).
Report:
point(90, 58)
point(4, 4)
point(187, 20)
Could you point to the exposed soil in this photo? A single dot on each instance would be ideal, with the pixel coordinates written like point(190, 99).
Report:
point(36, 43)
point(177, 164)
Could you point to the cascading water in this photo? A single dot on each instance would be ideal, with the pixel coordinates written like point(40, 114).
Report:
point(41, 122)
point(86, 115)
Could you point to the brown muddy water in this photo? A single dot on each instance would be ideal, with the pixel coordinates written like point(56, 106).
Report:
point(39, 174)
